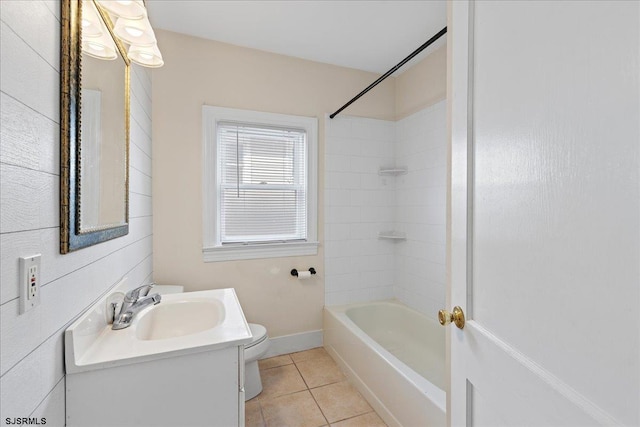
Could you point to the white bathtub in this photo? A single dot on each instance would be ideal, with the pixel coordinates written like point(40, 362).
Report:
point(395, 356)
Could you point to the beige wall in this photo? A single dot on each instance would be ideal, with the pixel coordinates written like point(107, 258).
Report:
point(422, 85)
point(198, 72)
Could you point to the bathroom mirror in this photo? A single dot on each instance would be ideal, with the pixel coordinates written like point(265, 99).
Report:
point(94, 128)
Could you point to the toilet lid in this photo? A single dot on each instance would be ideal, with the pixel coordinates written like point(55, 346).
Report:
point(259, 333)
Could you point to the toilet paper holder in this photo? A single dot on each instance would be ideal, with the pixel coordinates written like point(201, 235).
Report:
point(294, 272)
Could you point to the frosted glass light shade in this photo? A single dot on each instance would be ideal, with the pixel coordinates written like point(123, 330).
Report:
point(135, 31)
point(91, 23)
point(129, 9)
point(101, 47)
point(147, 56)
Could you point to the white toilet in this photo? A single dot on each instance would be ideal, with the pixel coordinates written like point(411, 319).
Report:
point(252, 352)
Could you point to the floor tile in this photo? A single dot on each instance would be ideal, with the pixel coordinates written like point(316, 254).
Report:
point(314, 353)
point(340, 401)
point(367, 420)
point(281, 380)
point(320, 371)
point(253, 414)
point(293, 410)
point(274, 362)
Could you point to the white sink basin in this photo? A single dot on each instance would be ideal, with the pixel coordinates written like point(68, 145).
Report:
point(180, 324)
point(171, 319)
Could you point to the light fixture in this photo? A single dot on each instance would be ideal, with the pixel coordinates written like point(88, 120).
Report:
point(131, 27)
point(128, 9)
point(135, 31)
point(91, 22)
point(96, 41)
point(148, 56)
point(100, 47)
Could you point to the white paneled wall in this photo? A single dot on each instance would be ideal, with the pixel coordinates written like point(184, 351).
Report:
point(359, 203)
point(421, 196)
point(31, 345)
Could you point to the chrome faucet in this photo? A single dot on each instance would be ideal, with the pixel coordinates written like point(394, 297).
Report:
point(134, 301)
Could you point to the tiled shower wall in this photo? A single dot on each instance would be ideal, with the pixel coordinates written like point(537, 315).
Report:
point(420, 209)
point(32, 377)
point(359, 203)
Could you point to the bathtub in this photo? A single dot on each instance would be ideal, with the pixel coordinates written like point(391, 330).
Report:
point(394, 356)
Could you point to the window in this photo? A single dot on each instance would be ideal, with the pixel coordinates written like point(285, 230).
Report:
point(260, 185)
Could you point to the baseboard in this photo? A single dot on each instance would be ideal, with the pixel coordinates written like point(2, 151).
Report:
point(295, 342)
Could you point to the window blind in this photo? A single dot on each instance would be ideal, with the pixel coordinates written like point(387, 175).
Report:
point(262, 183)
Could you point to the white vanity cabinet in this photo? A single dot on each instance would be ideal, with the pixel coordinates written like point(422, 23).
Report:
point(200, 389)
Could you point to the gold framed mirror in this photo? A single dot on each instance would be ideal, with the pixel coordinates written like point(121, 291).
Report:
point(94, 128)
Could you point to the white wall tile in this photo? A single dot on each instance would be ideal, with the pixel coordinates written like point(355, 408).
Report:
point(339, 127)
point(337, 197)
point(414, 270)
point(361, 201)
point(336, 231)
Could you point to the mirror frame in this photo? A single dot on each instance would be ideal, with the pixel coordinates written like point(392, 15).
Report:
point(71, 235)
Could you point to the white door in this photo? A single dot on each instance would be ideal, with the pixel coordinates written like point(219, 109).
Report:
point(545, 213)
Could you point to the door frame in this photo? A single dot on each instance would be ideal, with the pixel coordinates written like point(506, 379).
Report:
point(459, 203)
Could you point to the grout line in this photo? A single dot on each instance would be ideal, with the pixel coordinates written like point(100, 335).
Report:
point(318, 405)
point(309, 390)
point(312, 396)
point(359, 415)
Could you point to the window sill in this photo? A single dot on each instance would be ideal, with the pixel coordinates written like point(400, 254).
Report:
point(267, 250)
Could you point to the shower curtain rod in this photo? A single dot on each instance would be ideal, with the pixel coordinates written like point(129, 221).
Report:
point(393, 70)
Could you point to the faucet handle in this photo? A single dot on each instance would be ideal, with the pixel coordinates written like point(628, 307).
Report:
point(141, 291)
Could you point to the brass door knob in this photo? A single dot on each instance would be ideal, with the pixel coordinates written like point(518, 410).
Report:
point(457, 317)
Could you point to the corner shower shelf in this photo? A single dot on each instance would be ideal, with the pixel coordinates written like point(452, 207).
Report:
point(396, 236)
point(392, 171)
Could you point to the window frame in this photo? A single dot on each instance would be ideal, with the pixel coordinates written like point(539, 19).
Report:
point(212, 249)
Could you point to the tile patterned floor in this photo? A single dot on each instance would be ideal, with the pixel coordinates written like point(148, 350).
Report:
point(307, 389)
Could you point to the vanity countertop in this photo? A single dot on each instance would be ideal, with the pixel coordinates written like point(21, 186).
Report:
point(91, 344)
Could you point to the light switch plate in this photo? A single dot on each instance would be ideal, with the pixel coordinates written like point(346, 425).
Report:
point(30, 274)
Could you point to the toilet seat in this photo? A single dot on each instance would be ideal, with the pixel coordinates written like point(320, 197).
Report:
point(259, 333)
